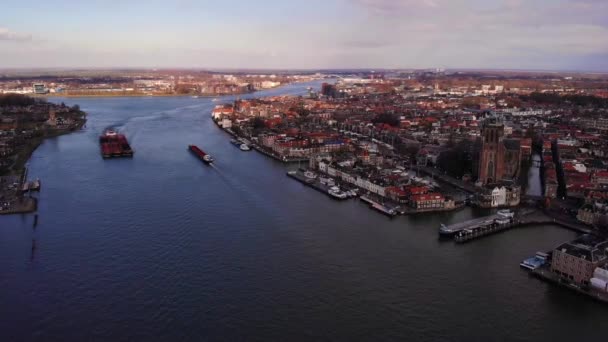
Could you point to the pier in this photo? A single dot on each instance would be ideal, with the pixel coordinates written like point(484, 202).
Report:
point(314, 183)
point(390, 211)
point(492, 224)
point(544, 273)
point(31, 186)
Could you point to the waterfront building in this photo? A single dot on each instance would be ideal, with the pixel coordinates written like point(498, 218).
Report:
point(576, 261)
point(499, 196)
point(40, 88)
point(433, 201)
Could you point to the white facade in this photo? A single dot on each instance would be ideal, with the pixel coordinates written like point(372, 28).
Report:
point(226, 123)
point(499, 197)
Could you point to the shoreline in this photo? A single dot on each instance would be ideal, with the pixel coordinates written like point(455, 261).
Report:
point(545, 274)
point(24, 155)
point(132, 94)
point(20, 203)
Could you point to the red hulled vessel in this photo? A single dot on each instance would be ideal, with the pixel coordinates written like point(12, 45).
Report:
point(200, 154)
point(114, 145)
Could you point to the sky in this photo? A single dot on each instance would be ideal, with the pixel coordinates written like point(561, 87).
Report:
point(305, 34)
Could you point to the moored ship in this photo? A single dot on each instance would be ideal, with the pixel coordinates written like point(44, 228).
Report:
point(240, 144)
point(202, 155)
point(114, 145)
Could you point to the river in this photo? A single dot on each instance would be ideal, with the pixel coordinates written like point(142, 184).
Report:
point(162, 247)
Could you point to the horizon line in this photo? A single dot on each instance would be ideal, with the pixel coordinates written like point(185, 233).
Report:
point(341, 69)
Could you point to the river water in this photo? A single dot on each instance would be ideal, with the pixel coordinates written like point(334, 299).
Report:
point(162, 247)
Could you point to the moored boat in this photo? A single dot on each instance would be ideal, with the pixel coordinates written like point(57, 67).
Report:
point(240, 144)
point(335, 192)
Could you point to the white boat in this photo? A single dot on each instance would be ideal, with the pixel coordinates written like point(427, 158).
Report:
point(327, 181)
point(506, 213)
point(337, 193)
point(535, 262)
point(245, 147)
point(310, 175)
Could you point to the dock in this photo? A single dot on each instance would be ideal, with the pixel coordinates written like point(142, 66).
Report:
point(313, 183)
point(384, 209)
point(544, 273)
point(478, 225)
point(453, 229)
point(492, 224)
point(31, 186)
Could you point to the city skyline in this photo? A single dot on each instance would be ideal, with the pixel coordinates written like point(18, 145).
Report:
point(468, 34)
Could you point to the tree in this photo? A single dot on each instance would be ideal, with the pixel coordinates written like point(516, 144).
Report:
point(386, 118)
point(18, 100)
point(456, 161)
point(258, 123)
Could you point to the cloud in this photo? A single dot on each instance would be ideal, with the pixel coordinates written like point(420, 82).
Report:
point(367, 44)
point(8, 35)
point(396, 6)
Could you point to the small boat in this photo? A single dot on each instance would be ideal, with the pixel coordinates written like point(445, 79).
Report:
point(240, 144)
point(506, 213)
point(335, 192)
point(535, 262)
point(327, 181)
point(310, 175)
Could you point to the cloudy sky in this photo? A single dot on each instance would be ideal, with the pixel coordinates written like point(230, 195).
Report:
point(505, 34)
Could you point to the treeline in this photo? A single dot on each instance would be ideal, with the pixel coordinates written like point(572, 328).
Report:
point(387, 118)
point(19, 100)
point(556, 99)
point(458, 160)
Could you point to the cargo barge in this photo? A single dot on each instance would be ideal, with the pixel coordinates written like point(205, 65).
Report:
point(207, 159)
point(114, 145)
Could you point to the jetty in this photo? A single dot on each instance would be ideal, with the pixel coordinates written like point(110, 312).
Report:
point(502, 221)
point(315, 183)
point(388, 210)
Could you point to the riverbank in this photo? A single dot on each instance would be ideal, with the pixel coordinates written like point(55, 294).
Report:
point(139, 94)
point(23, 205)
point(544, 273)
point(30, 122)
point(261, 149)
point(24, 154)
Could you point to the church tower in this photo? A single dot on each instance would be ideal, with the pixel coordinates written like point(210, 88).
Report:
point(492, 155)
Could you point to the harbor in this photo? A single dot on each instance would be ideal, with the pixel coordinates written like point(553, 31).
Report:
point(323, 185)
